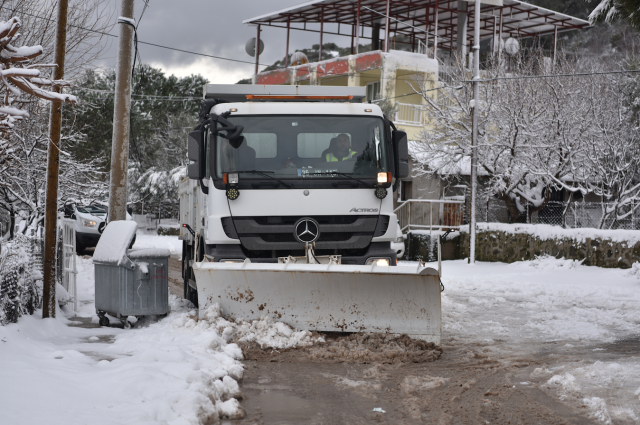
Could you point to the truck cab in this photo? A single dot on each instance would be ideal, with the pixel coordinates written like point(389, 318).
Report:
point(275, 168)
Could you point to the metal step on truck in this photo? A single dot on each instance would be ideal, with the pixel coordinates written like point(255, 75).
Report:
point(287, 210)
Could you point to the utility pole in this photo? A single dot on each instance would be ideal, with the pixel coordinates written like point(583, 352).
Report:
point(474, 136)
point(121, 112)
point(53, 169)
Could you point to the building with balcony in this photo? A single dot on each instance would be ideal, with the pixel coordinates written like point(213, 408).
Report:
point(386, 75)
point(410, 41)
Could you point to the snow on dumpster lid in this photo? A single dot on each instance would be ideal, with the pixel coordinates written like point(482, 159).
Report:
point(148, 253)
point(113, 244)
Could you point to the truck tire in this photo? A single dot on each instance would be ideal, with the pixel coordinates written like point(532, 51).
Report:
point(79, 247)
point(187, 272)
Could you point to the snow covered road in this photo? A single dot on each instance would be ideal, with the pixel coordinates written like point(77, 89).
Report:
point(576, 318)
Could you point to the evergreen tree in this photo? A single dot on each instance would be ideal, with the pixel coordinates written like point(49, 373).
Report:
point(163, 110)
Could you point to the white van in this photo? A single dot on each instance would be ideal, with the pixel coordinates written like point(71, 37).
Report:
point(90, 221)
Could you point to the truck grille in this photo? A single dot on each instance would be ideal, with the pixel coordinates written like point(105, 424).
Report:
point(336, 232)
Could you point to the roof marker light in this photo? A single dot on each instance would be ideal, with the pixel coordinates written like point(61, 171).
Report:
point(294, 97)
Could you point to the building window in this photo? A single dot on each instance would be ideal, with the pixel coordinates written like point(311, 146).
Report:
point(373, 91)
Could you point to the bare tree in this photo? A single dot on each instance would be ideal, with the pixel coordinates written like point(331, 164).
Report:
point(531, 130)
point(613, 151)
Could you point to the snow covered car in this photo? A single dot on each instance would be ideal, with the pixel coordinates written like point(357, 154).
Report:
point(398, 244)
point(90, 221)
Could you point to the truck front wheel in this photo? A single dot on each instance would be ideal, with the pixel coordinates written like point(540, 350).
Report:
point(190, 293)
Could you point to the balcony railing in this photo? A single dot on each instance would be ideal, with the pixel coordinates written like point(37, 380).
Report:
point(410, 114)
point(430, 214)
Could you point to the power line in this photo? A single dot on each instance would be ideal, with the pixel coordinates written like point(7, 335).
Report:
point(578, 74)
point(151, 44)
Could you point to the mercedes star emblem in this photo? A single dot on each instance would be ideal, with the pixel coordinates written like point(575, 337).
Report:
point(306, 230)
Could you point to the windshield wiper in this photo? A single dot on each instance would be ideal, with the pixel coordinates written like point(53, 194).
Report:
point(264, 173)
point(349, 177)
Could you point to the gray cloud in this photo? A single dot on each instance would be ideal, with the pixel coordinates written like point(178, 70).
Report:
point(210, 27)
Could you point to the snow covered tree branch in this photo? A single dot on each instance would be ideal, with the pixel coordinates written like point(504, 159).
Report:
point(18, 79)
point(535, 134)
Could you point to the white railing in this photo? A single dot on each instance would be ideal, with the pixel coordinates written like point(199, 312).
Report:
point(410, 114)
point(430, 214)
point(69, 269)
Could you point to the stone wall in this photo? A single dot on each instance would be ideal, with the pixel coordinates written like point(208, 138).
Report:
point(508, 247)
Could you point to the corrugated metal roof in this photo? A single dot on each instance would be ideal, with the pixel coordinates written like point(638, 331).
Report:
point(519, 19)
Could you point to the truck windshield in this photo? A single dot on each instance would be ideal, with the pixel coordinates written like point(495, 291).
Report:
point(305, 147)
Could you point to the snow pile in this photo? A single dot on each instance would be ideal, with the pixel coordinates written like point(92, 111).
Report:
point(589, 386)
point(634, 270)
point(546, 299)
point(525, 305)
point(144, 241)
point(264, 332)
point(179, 370)
point(148, 252)
point(115, 240)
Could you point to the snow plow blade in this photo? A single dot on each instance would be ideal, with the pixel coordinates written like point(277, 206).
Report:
point(329, 298)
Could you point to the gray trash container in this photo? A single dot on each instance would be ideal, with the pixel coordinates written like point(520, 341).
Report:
point(129, 282)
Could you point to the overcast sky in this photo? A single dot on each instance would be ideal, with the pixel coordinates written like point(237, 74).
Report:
point(212, 27)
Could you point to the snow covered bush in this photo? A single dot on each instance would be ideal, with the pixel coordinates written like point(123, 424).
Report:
point(20, 279)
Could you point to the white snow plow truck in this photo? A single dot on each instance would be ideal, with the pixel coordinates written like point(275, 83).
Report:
point(287, 210)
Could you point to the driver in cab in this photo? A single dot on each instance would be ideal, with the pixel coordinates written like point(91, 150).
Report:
point(340, 150)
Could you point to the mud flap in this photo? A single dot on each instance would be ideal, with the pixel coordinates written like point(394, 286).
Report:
point(335, 298)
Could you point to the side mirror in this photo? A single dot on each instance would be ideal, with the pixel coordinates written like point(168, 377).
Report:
point(401, 154)
point(193, 153)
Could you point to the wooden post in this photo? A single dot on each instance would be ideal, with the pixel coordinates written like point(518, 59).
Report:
point(121, 113)
point(53, 170)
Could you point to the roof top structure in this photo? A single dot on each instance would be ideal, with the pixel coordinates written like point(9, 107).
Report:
point(447, 24)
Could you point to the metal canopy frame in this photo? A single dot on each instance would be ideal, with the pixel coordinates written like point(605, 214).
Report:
point(430, 21)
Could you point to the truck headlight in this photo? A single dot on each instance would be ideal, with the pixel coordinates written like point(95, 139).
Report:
point(378, 261)
point(88, 223)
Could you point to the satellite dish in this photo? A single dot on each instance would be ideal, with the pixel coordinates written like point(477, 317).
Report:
point(250, 47)
point(299, 58)
point(511, 46)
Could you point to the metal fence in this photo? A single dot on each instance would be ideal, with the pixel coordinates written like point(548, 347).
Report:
point(430, 214)
point(68, 266)
point(575, 214)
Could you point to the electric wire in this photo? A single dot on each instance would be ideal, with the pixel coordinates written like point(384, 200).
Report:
point(151, 44)
point(577, 74)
